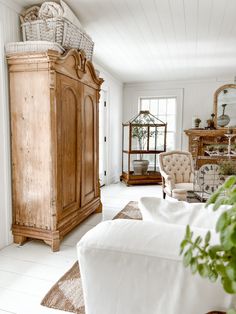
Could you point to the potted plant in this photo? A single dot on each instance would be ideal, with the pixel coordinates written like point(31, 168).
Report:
point(211, 148)
point(221, 149)
point(197, 122)
point(141, 134)
point(216, 261)
point(227, 168)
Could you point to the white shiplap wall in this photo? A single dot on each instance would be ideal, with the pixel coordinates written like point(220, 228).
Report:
point(9, 31)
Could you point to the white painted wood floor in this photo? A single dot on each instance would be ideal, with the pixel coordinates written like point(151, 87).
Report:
point(27, 272)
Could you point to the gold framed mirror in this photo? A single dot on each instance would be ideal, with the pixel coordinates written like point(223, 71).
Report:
point(225, 106)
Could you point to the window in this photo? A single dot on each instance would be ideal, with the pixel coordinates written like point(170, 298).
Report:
point(165, 109)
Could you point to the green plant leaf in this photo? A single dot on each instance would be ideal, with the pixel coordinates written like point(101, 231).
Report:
point(227, 285)
point(218, 203)
point(207, 238)
point(212, 199)
point(197, 241)
point(233, 208)
point(188, 233)
point(187, 257)
point(183, 245)
point(213, 276)
point(194, 265)
point(218, 260)
point(229, 182)
point(222, 222)
point(232, 199)
point(221, 270)
point(230, 271)
point(213, 250)
point(231, 311)
point(233, 236)
point(233, 254)
point(203, 270)
point(234, 286)
point(225, 237)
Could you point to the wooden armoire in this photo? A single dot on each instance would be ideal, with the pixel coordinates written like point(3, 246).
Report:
point(54, 140)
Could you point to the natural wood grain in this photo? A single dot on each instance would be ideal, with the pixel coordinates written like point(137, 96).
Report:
point(31, 162)
point(199, 139)
point(151, 178)
point(54, 139)
point(19, 239)
point(90, 146)
point(69, 93)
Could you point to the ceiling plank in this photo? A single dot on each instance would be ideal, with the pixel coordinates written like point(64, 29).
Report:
point(152, 40)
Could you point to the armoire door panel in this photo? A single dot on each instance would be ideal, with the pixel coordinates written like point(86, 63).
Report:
point(30, 139)
point(69, 147)
point(89, 145)
point(69, 144)
point(89, 151)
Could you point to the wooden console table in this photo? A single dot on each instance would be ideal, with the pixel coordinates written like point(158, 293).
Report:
point(200, 139)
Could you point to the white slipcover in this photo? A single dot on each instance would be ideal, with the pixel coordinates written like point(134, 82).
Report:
point(134, 267)
point(182, 213)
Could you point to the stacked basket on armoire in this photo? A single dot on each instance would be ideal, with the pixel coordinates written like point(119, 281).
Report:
point(51, 26)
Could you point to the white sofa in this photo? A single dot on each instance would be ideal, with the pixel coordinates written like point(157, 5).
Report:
point(134, 267)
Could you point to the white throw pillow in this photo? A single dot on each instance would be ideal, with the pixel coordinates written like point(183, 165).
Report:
point(50, 10)
point(180, 213)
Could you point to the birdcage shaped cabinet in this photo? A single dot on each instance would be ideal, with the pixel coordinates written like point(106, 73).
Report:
point(143, 138)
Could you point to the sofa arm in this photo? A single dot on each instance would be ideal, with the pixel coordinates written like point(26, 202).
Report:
point(132, 267)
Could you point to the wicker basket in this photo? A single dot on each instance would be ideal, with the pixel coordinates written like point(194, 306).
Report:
point(32, 46)
point(87, 46)
point(59, 30)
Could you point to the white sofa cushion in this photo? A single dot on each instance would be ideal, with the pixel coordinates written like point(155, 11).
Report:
point(179, 186)
point(187, 186)
point(182, 213)
point(134, 267)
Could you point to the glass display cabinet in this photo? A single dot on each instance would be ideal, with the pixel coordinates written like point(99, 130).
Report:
point(143, 138)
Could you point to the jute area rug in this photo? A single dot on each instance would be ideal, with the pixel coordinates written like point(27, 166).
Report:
point(67, 294)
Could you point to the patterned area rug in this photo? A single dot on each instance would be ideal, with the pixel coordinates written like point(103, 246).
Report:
point(67, 294)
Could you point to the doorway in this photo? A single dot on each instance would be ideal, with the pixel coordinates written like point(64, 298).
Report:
point(103, 138)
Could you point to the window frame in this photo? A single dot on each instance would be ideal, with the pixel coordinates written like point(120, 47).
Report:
point(166, 115)
point(178, 95)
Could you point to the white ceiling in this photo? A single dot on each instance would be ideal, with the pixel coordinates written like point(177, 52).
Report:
point(151, 40)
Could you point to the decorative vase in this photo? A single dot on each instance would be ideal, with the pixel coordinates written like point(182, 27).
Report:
point(211, 123)
point(197, 122)
point(224, 119)
point(140, 167)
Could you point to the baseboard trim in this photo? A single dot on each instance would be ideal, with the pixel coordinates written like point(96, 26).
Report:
point(113, 179)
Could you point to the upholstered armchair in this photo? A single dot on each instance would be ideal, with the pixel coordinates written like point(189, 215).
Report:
point(177, 171)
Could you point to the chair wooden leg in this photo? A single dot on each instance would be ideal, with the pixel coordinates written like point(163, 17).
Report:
point(164, 195)
point(163, 187)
